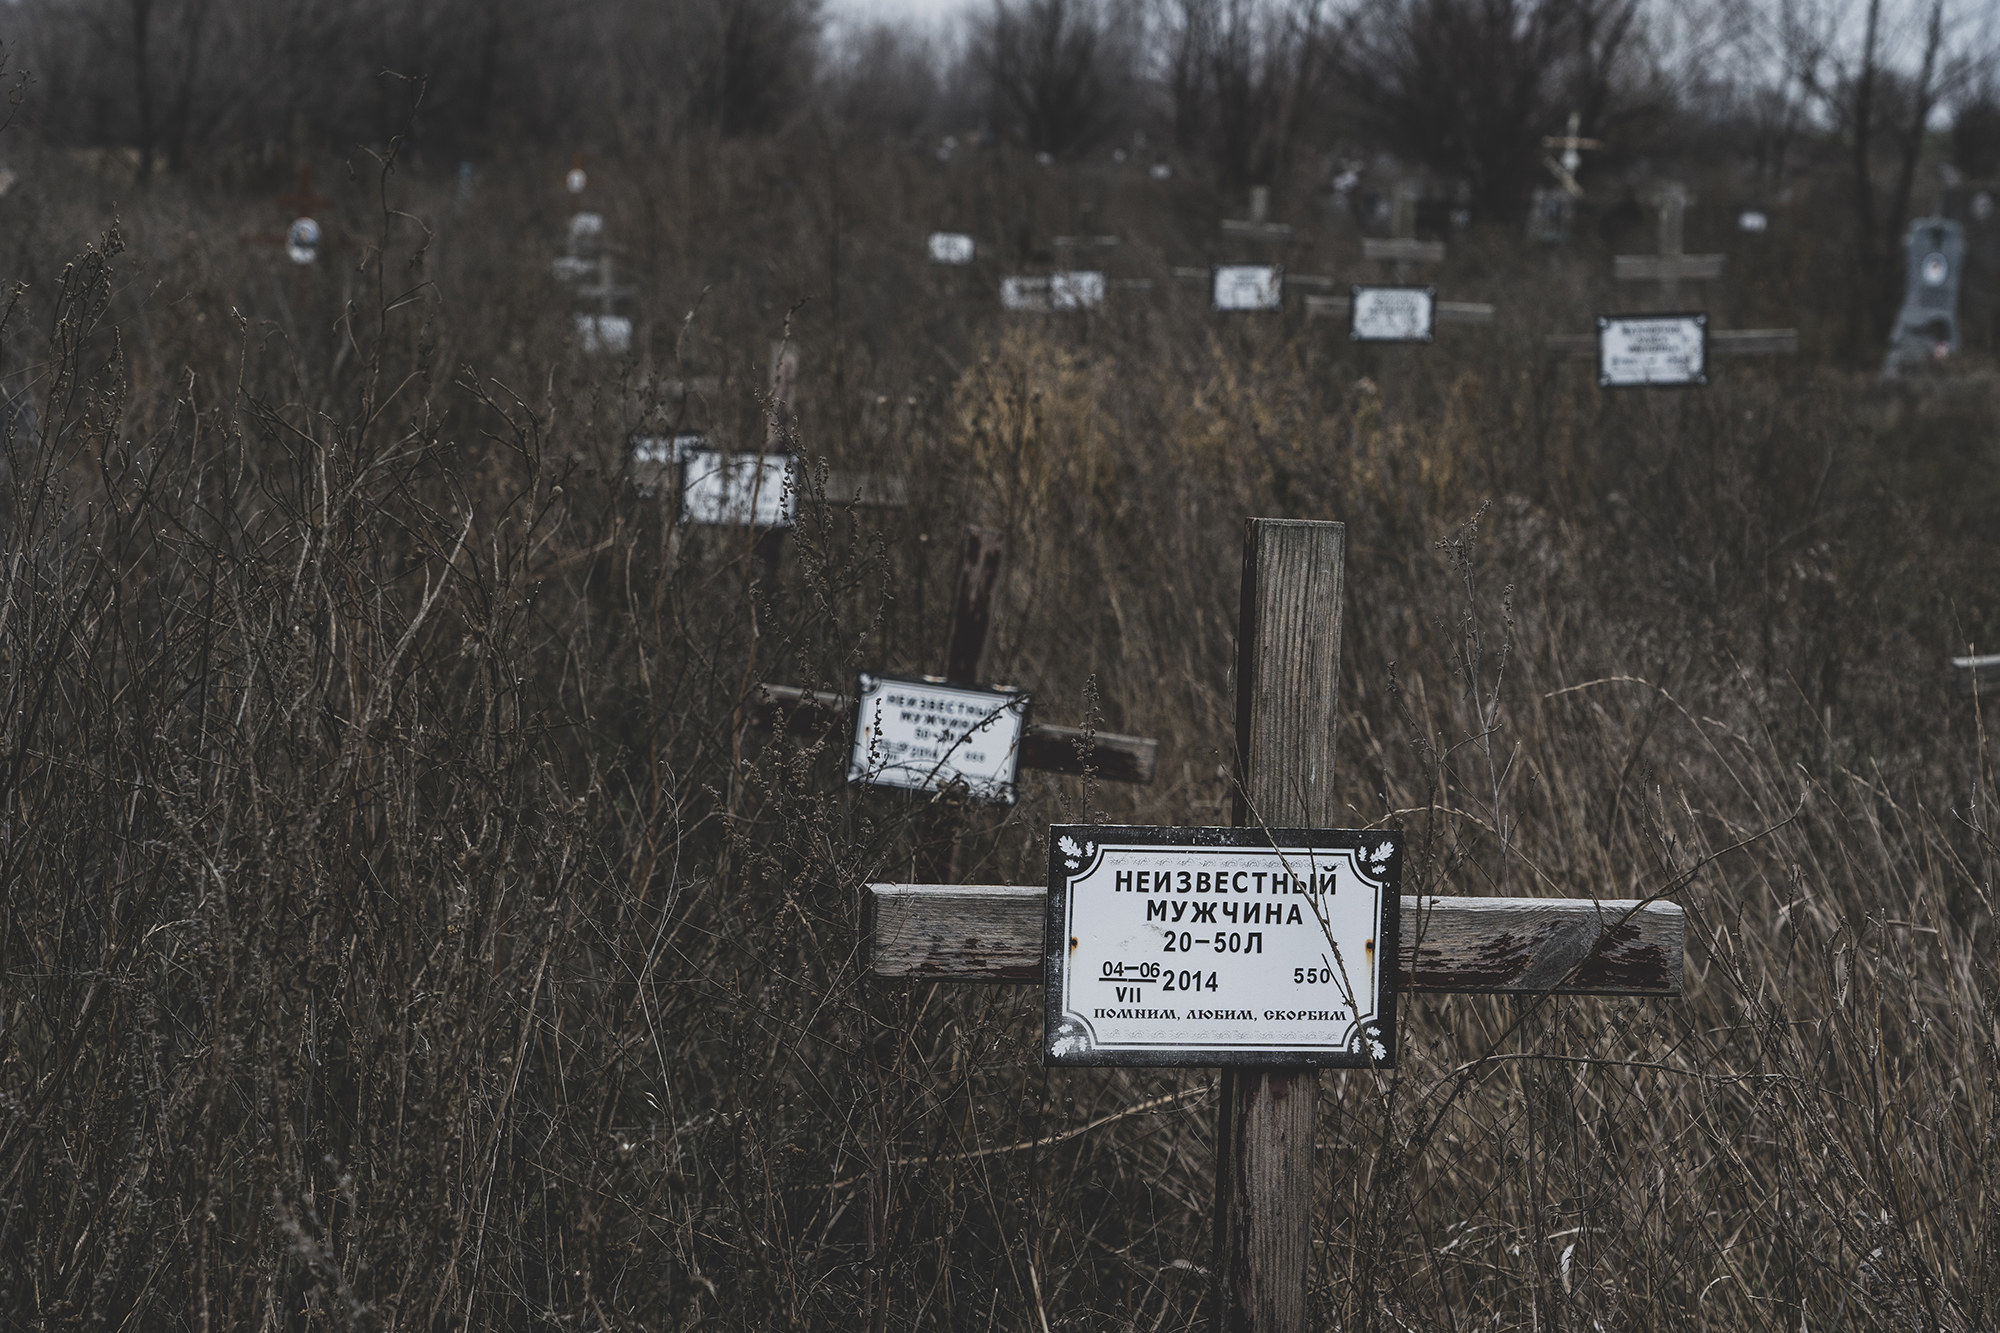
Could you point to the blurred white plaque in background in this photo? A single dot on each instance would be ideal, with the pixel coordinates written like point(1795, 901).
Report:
point(604, 333)
point(1249, 286)
point(1393, 314)
point(950, 247)
point(1076, 289)
point(741, 490)
point(1020, 293)
point(1636, 350)
point(924, 735)
point(1753, 220)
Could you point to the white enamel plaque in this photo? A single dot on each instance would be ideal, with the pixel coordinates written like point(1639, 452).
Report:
point(752, 490)
point(1249, 286)
point(604, 333)
point(1076, 289)
point(1393, 314)
point(1635, 350)
point(950, 247)
point(1215, 946)
point(924, 735)
point(1022, 293)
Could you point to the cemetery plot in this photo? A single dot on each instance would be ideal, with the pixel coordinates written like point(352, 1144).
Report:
point(1248, 286)
point(1392, 314)
point(1220, 946)
point(1287, 672)
point(950, 247)
point(1651, 350)
point(926, 735)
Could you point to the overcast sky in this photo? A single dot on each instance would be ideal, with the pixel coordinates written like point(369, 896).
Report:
point(896, 11)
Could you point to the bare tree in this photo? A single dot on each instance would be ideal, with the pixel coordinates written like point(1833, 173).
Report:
point(1243, 76)
point(1469, 87)
point(1057, 71)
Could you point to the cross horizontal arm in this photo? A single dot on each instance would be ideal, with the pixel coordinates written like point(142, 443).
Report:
point(1403, 249)
point(1558, 946)
point(1108, 755)
point(1448, 312)
point(1721, 342)
point(1654, 268)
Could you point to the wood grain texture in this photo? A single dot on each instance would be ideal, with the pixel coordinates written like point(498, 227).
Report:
point(1451, 946)
point(1111, 757)
point(968, 657)
point(1287, 706)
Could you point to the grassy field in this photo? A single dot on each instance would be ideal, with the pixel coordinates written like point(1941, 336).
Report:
point(404, 927)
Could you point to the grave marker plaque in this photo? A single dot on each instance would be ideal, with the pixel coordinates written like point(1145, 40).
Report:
point(1076, 289)
point(950, 247)
point(1221, 946)
point(1635, 351)
point(604, 333)
point(1392, 314)
point(753, 490)
point(1249, 286)
point(1927, 325)
point(925, 735)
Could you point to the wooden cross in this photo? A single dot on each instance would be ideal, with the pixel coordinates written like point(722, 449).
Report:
point(1564, 168)
point(1400, 251)
point(1287, 672)
point(968, 659)
point(656, 460)
point(304, 201)
point(1258, 226)
point(1670, 267)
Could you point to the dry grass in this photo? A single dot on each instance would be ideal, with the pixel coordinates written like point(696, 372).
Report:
point(402, 929)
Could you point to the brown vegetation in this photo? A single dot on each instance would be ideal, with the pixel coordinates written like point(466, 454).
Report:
point(401, 929)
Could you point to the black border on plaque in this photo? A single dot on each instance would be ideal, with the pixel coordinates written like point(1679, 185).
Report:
point(1354, 305)
point(1214, 269)
point(1388, 943)
point(680, 496)
point(1707, 352)
point(1026, 697)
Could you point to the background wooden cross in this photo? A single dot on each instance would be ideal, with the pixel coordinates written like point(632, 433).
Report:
point(968, 661)
point(1401, 251)
point(1671, 266)
point(1258, 226)
point(1564, 168)
point(1288, 660)
point(304, 201)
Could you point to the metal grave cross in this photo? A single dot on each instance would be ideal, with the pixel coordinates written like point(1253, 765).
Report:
point(968, 658)
point(1258, 226)
point(1288, 657)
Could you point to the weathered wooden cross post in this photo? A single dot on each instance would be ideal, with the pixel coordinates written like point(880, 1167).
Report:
point(1399, 312)
point(1671, 347)
point(1671, 265)
point(1286, 710)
